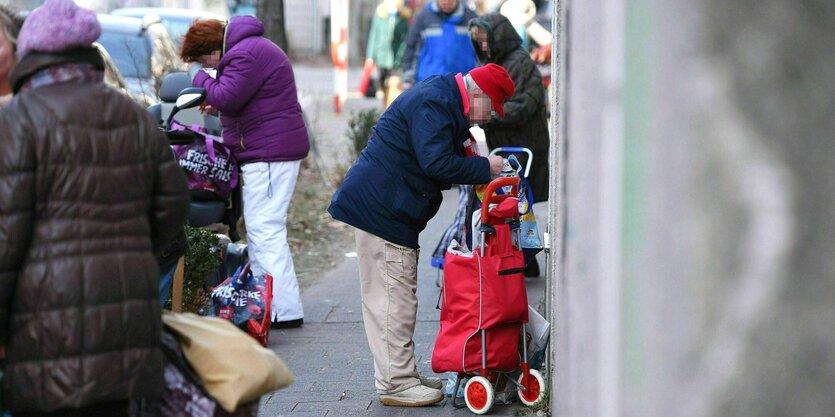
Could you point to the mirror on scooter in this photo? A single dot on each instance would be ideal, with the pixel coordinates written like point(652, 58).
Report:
point(188, 98)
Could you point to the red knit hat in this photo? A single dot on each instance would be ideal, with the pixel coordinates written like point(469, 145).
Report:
point(496, 83)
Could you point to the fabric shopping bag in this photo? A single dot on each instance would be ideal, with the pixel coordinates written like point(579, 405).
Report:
point(233, 368)
point(245, 300)
point(185, 395)
point(207, 163)
point(481, 292)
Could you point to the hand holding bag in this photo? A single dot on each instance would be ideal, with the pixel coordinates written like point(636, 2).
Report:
point(233, 367)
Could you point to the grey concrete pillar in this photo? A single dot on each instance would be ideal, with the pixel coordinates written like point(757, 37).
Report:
point(588, 156)
point(693, 238)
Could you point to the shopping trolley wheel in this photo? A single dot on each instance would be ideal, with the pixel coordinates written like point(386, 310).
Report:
point(478, 394)
point(535, 390)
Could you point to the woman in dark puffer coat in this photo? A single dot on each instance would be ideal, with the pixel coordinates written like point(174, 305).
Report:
point(525, 121)
point(89, 189)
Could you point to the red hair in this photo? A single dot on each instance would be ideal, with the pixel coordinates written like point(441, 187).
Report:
point(203, 37)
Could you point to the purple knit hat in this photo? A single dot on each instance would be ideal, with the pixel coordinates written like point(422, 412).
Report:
point(56, 26)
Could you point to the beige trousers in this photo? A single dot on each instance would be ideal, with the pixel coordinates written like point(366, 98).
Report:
point(388, 279)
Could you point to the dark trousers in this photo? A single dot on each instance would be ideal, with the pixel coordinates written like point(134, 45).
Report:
point(112, 409)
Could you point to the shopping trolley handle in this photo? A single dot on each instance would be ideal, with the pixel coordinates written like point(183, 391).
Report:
point(490, 191)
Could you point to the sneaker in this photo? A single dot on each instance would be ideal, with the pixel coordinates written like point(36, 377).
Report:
point(431, 382)
point(416, 396)
point(289, 324)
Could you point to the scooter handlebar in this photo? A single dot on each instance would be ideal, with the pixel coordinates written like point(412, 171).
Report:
point(181, 137)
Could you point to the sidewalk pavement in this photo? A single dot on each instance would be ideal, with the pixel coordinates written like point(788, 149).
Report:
point(329, 355)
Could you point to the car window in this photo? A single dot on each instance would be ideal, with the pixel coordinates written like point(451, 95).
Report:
point(112, 76)
point(165, 54)
point(130, 52)
point(177, 27)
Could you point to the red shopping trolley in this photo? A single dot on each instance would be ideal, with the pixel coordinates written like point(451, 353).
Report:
point(485, 306)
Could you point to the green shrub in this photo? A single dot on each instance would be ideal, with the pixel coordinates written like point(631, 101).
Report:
point(359, 128)
point(201, 260)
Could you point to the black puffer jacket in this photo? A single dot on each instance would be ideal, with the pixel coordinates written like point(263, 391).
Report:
point(525, 122)
point(89, 189)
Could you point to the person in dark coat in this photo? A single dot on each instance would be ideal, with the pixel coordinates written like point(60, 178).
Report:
point(416, 150)
point(89, 191)
point(525, 120)
point(263, 126)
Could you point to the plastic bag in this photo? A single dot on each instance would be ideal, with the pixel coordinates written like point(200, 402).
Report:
point(530, 232)
point(538, 331)
point(245, 299)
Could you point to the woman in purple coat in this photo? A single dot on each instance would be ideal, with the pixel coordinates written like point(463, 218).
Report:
point(255, 92)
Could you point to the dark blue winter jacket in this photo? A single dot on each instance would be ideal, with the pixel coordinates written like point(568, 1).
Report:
point(438, 43)
point(415, 151)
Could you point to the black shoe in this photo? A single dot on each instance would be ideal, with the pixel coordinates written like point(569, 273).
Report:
point(289, 324)
point(532, 269)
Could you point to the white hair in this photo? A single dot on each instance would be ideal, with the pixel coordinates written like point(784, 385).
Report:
point(470, 84)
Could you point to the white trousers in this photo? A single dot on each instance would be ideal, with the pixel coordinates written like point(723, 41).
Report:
point(267, 190)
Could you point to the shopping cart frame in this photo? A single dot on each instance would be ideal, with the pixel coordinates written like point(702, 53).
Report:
point(479, 391)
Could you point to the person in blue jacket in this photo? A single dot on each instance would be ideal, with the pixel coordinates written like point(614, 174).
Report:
point(438, 42)
point(416, 150)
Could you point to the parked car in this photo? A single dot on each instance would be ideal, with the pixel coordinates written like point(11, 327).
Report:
point(142, 50)
point(176, 21)
point(113, 78)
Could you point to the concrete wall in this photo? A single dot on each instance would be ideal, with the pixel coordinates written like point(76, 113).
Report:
point(360, 23)
point(305, 22)
point(589, 136)
point(693, 272)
